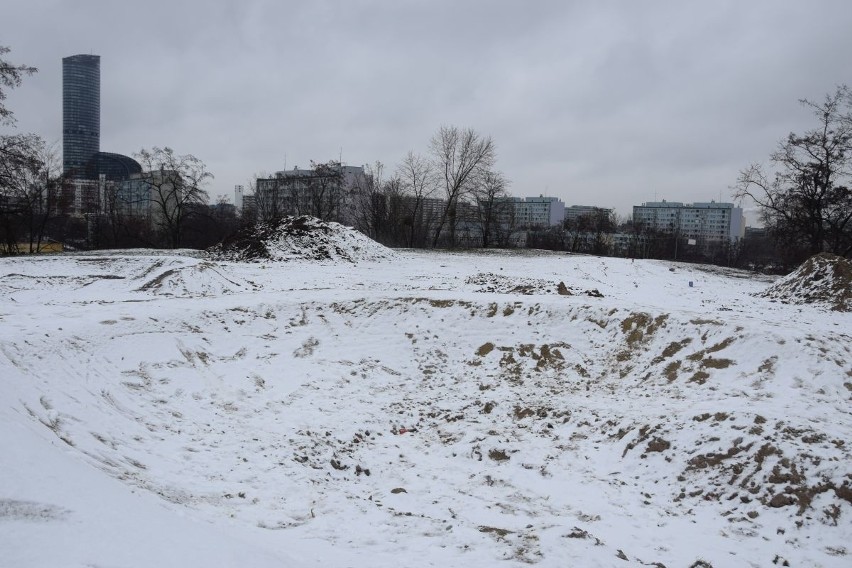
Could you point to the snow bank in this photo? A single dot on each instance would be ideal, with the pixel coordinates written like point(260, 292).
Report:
point(822, 279)
point(193, 279)
point(300, 238)
point(161, 275)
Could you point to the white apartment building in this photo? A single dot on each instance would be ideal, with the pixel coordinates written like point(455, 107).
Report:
point(537, 211)
point(701, 222)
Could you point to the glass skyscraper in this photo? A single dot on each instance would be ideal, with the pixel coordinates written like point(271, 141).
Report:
point(81, 112)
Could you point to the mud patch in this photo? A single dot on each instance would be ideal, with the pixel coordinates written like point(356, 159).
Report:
point(14, 510)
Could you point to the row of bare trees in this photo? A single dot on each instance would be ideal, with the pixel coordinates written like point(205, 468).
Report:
point(157, 209)
point(451, 196)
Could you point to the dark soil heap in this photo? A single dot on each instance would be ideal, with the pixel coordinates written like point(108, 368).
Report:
point(299, 238)
point(822, 279)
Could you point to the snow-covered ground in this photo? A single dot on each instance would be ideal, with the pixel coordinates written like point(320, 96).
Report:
point(427, 409)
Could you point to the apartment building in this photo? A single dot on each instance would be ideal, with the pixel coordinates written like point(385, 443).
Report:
point(699, 222)
point(538, 211)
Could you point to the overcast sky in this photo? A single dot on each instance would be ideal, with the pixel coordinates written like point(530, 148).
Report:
point(608, 103)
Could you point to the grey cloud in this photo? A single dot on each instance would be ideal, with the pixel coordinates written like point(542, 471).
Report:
point(595, 102)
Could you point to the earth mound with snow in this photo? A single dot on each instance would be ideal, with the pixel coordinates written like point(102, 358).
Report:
point(488, 282)
point(300, 238)
point(822, 279)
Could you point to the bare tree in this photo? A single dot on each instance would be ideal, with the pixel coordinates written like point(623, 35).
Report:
point(321, 195)
point(21, 162)
point(318, 192)
point(398, 203)
point(267, 195)
point(175, 185)
point(46, 196)
point(31, 190)
point(492, 206)
point(419, 183)
point(10, 77)
point(369, 202)
point(806, 200)
point(20, 175)
point(603, 223)
point(461, 157)
point(380, 206)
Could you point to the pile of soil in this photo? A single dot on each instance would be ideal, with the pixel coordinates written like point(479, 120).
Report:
point(299, 238)
point(822, 279)
point(495, 283)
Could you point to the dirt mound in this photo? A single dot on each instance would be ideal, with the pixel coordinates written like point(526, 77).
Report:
point(822, 279)
point(499, 284)
point(496, 283)
point(299, 238)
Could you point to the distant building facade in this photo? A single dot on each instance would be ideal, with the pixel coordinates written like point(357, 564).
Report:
point(87, 196)
point(112, 166)
point(324, 192)
point(81, 130)
point(106, 176)
point(150, 195)
point(702, 222)
point(575, 212)
point(81, 112)
point(529, 212)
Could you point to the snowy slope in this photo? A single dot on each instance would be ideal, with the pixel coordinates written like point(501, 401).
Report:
point(431, 409)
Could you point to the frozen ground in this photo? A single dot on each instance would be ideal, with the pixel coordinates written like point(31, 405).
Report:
point(430, 409)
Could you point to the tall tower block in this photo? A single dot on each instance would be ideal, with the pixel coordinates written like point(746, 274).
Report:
point(81, 112)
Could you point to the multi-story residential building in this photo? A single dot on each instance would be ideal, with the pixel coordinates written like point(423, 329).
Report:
point(324, 192)
point(540, 211)
point(248, 209)
point(86, 197)
point(699, 222)
point(574, 212)
point(530, 212)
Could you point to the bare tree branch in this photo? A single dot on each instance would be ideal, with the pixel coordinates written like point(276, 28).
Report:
point(11, 76)
point(175, 184)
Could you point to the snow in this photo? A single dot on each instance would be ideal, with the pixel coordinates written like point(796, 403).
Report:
point(418, 409)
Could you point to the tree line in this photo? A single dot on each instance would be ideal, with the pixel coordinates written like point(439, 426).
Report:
point(165, 207)
point(453, 195)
